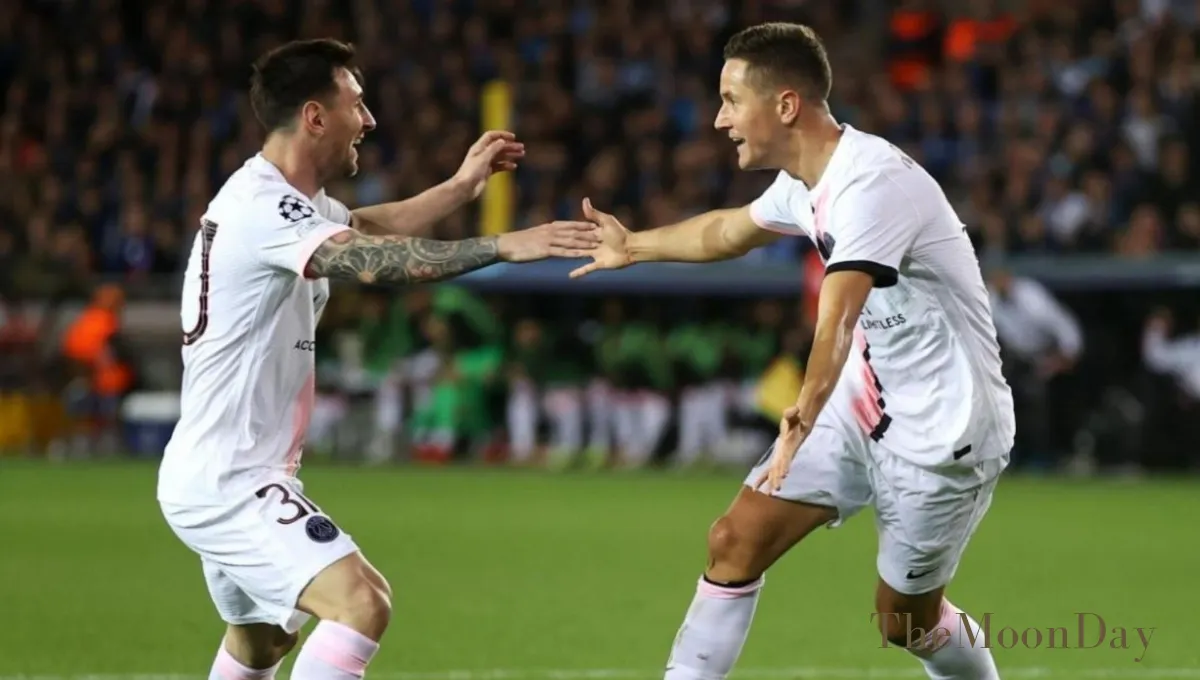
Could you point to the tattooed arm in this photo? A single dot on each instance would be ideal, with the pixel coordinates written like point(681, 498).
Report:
point(352, 255)
point(399, 259)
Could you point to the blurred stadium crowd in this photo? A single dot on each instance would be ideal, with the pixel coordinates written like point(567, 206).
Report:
point(1057, 127)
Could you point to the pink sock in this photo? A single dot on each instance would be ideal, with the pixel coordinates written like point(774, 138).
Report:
point(955, 649)
point(334, 652)
point(225, 667)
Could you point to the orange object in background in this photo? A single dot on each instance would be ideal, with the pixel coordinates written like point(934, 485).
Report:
point(913, 35)
point(966, 35)
point(87, 342)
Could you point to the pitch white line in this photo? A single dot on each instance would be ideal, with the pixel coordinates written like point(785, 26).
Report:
point(816, 673)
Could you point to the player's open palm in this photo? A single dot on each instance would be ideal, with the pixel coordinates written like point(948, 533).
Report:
point(612, 252)
point(494, 151)
point(554, 239)
point(791, 436)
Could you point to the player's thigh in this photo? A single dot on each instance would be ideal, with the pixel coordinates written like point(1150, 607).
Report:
point(262, 551)
point(925, 521)
point(827, 484)
point(350, 585)
point(827, 471)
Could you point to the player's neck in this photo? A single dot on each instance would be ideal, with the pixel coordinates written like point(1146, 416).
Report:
point(812, 150)
point(295, 163)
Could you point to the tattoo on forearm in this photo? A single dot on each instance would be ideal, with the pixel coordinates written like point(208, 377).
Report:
point(399, 259)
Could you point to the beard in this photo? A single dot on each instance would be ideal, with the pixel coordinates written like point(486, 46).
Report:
point(338, 164)
point(349, 164)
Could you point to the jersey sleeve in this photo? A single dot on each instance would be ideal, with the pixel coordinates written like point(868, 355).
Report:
point(874, 224)
point(333, 209)
point(772, 210)
point(286, 228)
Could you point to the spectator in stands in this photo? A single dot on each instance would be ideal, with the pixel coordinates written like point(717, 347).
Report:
point(1041, 343)
point(102, 364)
point(1176, 412)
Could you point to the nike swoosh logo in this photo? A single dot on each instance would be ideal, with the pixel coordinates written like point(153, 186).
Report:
point(911, 575)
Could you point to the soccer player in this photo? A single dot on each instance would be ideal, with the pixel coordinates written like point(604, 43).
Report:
point(903, 405)
point(253, 291)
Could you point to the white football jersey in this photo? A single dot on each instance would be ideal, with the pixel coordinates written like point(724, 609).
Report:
point(924, 379)
point(248, 316)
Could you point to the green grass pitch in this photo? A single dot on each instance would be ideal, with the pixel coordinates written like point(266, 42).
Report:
point(507, 575)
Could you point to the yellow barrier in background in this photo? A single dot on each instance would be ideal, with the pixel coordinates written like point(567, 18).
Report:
point(497, 210)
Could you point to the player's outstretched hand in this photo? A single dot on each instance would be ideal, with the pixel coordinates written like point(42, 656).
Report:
point(613, 250)
point(495, 151)
point(791, 436)
point(555, 239)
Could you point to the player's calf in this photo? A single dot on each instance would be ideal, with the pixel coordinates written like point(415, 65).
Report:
point(904, 620)
point(353, 601)
point(742, 544)
point(251, 652)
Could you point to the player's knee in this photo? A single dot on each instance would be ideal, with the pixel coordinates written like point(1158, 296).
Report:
point(722, 539)
point(730, 551)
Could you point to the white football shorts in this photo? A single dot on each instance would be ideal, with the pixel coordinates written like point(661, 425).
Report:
point(259, 552)
point(924, 519)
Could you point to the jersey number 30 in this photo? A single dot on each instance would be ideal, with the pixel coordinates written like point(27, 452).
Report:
point(208, 230)
point(301, 506)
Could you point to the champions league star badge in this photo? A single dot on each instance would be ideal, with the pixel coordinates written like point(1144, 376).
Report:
point(293, 209)
point(321, 529)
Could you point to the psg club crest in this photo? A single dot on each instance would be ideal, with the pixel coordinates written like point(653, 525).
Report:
point(321, 529)
point(293, 209)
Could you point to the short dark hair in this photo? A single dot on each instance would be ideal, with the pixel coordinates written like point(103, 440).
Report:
point(780, 53)
point(294, 73)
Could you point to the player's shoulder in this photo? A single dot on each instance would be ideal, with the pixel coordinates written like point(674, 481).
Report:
point(251, 193)
point(873, 170)
point(869, 160)
point(258, 195)
point(784, 185)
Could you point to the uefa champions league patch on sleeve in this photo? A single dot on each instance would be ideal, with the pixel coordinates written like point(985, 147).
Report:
point(321, 529)
point(294, 209)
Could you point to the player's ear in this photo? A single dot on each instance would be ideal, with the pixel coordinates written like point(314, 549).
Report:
point(312, 116)
point(788, 106)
